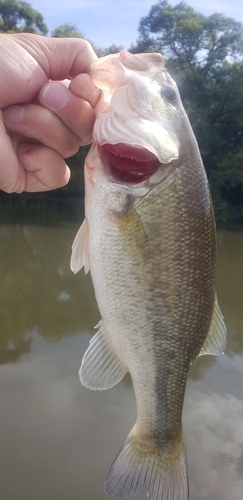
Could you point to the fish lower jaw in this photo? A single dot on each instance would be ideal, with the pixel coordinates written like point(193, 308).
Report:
point(129, 164)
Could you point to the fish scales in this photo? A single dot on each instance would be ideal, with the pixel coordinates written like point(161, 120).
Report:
point(150, 247)
point(164, 302)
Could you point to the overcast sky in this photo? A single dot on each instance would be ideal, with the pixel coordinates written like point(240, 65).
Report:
point(116, 21)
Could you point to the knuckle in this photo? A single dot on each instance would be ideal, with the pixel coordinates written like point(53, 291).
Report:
point(72, 147)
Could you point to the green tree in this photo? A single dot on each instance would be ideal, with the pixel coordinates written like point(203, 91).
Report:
point(113, 49)
point(204, 55)
point(17, 16)
point(221, 138)
point(67, 30)
point(187, 37)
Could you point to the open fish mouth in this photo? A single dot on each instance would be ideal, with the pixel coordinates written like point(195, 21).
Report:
point(130, 164)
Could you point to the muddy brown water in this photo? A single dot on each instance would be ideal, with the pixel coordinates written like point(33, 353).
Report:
point(58, 439)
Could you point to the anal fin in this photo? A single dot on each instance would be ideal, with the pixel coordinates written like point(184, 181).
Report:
point(215, 342)
point(101, 368)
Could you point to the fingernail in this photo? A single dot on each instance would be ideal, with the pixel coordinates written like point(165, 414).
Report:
point(13, 114)
point(54, 96)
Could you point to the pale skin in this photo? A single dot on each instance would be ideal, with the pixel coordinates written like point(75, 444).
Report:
point(44, 117)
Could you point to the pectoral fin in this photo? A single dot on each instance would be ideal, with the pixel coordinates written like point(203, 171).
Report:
point(101, 368)
point(132, 233)
point(80, 253)
point(215, 342)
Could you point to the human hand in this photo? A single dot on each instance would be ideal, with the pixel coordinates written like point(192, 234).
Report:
point(46, 121)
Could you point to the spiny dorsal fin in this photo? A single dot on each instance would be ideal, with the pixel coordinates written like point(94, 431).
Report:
point(101, 368)
point(215, 342)
point(80, 249)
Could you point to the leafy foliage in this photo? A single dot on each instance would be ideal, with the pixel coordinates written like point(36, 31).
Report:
point(17, 16)
point(188, 37)
point(204, 55)
point(67, 30)
point(113, 49)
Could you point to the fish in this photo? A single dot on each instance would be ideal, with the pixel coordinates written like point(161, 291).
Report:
point(148, 240)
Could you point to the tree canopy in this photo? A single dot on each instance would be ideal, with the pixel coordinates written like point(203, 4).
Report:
point(205, 56)
point(189, 37)
point(17, 16)
point(67, 30)
point(70, 30)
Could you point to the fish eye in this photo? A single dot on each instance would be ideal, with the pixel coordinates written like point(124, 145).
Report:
point(168, 92)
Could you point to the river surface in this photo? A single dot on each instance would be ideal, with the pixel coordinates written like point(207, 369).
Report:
point(58, 439)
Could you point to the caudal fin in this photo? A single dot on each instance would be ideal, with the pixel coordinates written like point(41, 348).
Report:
point(160, 474)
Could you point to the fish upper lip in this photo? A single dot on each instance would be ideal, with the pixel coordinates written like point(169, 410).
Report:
point(131, 158)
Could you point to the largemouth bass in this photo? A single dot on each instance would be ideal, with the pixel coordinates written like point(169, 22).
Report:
point(148, 240)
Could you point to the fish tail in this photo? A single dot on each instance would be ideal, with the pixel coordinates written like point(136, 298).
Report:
point(141, 467)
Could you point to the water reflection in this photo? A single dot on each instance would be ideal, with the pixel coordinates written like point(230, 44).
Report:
point(38, 290)
point(57, 438)
point(230, 286)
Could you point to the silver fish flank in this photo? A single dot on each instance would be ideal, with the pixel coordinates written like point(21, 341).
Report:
point(148, 239)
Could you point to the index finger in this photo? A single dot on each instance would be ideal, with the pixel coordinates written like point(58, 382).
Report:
point(74, 105)
point(31, 60)
point(58, 57)
point(83, 87)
